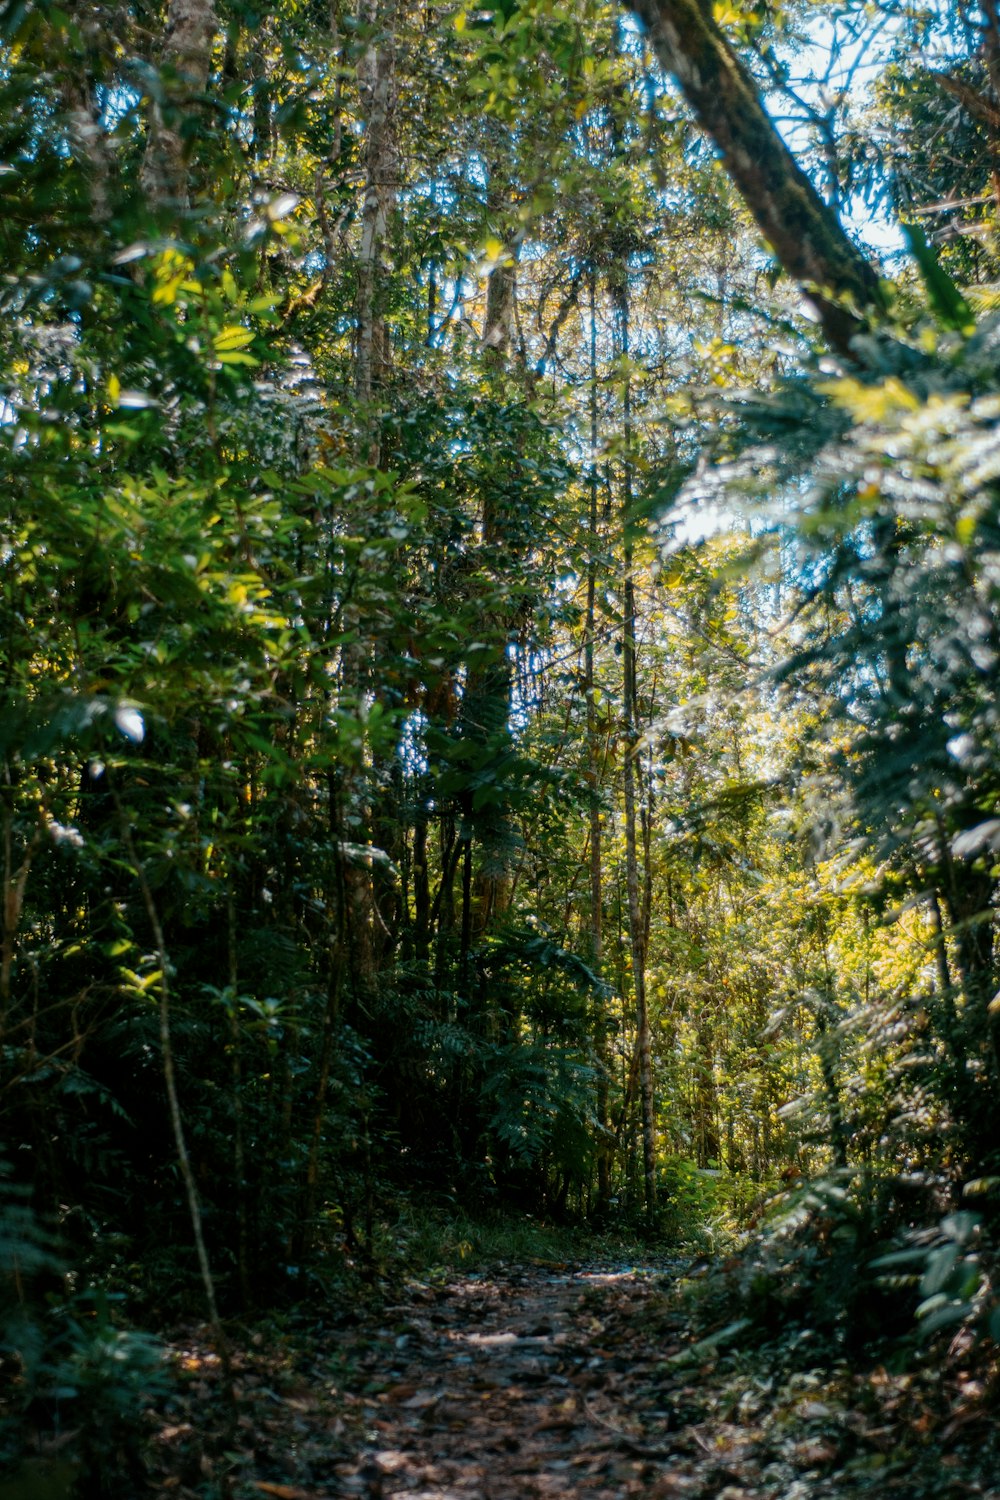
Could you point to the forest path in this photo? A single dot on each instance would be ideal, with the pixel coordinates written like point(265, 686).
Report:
point(534, 1381)
point(528, 1384)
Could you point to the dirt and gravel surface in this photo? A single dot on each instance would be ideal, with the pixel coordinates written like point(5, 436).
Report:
point(554, 1381)
point(504, 1388)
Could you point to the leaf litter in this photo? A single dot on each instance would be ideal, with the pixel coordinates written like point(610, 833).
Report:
point(534, 1382)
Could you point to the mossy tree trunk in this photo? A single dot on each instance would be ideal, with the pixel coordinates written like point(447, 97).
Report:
point(804, 233)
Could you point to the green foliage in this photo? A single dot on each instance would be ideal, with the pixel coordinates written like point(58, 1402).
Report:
point(948, 1268)
point(320, 691)
point(806, 1271)
point(885, 478)
point(66, 1363)
point(105, 1378)
point(27, 1261)
point(690, 1197)
point(541, 1100)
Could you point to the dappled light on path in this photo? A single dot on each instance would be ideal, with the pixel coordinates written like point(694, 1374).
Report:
point(535, 1381)
point(488, 1394)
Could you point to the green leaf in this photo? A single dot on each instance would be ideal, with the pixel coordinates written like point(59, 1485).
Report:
point(943, 1314)
point(981, 1187)
point(232, 337)
point(942, 293)
point(940, 1265)
point(898, 1259)
point(714, 1341)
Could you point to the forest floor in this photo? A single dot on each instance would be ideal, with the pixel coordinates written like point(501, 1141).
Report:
point(544, 1380)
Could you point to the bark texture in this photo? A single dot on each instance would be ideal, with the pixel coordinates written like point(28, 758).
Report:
point(376, 78)
point(805, 235)
point(377, 87)
point(595, 761)
point(185, 64)
point(638, 918)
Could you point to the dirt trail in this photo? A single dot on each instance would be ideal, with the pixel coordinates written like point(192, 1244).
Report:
point(541, 1381)
point(498, 1388)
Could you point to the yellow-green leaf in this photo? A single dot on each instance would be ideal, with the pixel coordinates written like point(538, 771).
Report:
point(232, 337)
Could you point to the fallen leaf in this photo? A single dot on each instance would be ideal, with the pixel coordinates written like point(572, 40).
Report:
point(284, 1491)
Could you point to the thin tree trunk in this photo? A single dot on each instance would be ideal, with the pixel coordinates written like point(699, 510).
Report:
point(331, 1013)
point(501, 285)
point(239, 1125)
point(630, 706)
point(489, 686)
point(636, 924)
point(185, 63)
point(173, 1097)
point(15, 882)
point(88, 139)
point(376, 75)
point(594, 765)
point(377, 85)
point(705, 1097)
point(950, 1015)
point(825, 1014)
point(465, 941)
point(827, 1050)
point(421, 884)
point(338, 955)
point(968, 898)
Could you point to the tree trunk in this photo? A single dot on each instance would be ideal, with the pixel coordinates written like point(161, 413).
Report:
point(486, 706)
point(501, 285)
point(804, 233)
point(636, 922)
point(594, 762)
point(185, 63)
point(705, 1096)
point(377, 86)
point(184, 1164)
point(421, 884)
point(81, 80)
point(239, 1121)
point(376, 76)
point(828, 1065)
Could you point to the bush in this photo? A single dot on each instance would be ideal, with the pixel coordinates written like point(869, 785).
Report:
point(67, 1367)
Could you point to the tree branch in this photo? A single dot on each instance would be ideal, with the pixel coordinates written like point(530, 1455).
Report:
point(804, 233)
